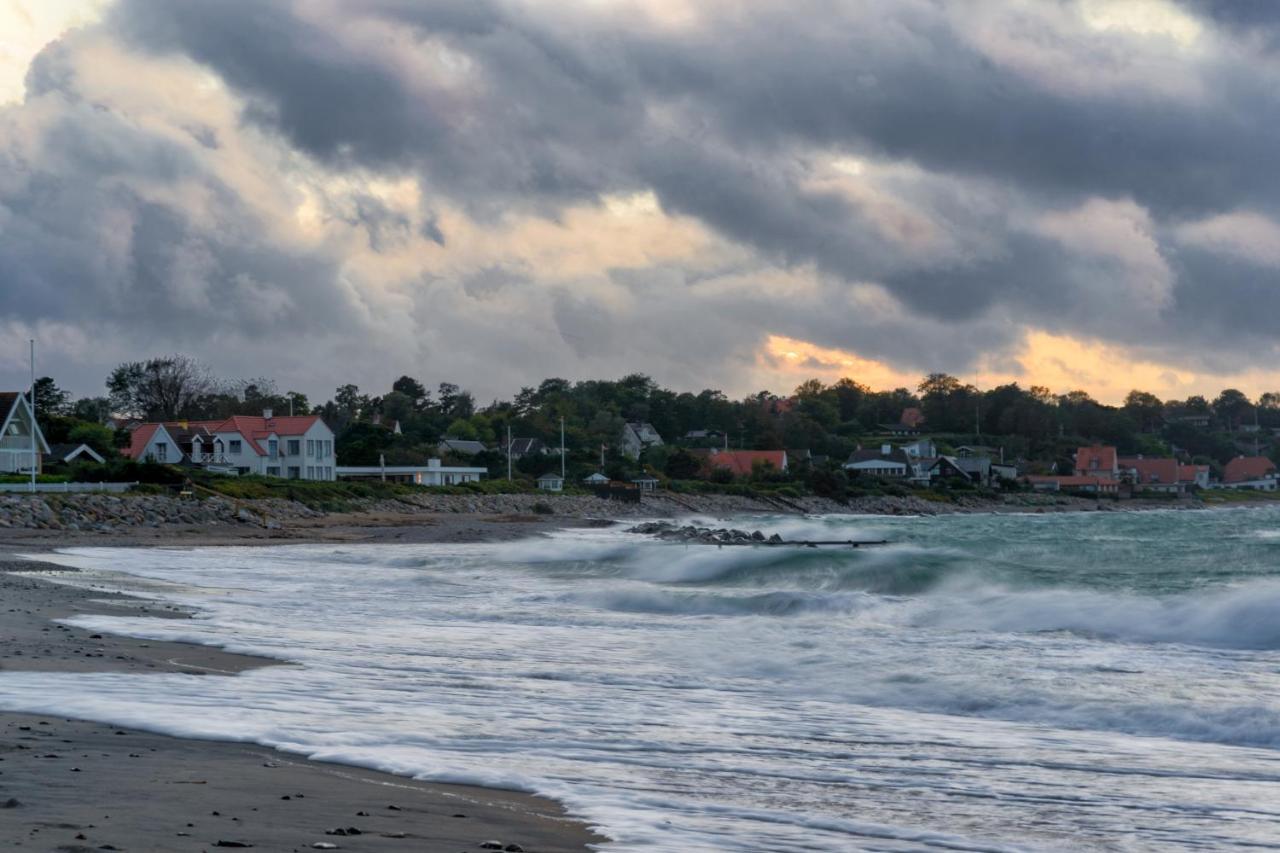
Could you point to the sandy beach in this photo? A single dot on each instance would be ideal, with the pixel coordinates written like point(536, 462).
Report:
point(71, 785)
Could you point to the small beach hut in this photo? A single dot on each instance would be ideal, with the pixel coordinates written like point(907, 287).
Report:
point(596, 479)
point(551, 483)
point(646, 482)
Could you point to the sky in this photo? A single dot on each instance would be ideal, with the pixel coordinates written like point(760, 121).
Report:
point(735, 194)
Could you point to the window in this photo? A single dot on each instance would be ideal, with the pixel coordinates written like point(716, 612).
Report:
point(273, 471)
point(162, 451)
point(328, 448)
point(233, 446)
point(295, 447)
point(295, 473)
point(311, 447)
point(273, 450)
point(311, 472)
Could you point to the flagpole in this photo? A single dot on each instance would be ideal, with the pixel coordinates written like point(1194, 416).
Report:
point(33, 415)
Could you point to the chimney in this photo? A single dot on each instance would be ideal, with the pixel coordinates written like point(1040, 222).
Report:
point(267, 413)
point(886, 449)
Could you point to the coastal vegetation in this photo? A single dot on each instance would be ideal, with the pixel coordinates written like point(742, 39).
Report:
point(406, 423)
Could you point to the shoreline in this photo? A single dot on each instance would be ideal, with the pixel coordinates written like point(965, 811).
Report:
point(54, 521)
point(77, 785)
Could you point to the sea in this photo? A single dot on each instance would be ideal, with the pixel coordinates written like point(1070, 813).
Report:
point(1074, 681)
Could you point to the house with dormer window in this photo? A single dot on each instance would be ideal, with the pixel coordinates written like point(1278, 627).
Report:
point(296, 447)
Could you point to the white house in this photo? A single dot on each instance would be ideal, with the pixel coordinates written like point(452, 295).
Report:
point(434, 473)
point(637, 436)
point(297, 447)
point(551, 483)
point(72, 452)
point(16, 426)
point(886, 462)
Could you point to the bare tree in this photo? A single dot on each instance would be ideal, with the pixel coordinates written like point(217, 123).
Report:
point(166, 388)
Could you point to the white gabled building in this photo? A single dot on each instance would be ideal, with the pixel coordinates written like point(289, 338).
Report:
point(16, 426)
point(297, 447)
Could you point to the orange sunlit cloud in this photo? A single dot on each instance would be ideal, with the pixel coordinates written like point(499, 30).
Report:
point(1060, 362)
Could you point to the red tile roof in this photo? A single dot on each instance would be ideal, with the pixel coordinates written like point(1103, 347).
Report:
point(741, 462)
point(138, 440)
point(1245, 468)
point(252, 428)
point(1097, 461)
point(1151, 471)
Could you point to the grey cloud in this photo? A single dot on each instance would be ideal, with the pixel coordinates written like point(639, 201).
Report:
point(557, 106)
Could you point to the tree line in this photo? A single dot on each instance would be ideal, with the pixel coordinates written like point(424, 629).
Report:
point(405, 423)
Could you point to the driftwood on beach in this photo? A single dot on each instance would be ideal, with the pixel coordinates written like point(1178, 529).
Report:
point(731, 536)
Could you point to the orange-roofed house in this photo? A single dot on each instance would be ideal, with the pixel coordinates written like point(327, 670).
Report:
point(297, 447)
point(1097, 461)
point(742, 462)
point(1074, 483)
point(1250, 472)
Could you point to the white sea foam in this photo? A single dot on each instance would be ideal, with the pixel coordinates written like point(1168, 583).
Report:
point(975, 686)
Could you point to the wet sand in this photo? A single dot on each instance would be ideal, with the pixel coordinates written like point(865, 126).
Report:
point(72, 786)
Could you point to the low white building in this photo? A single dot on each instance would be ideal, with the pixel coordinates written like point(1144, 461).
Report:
point(551, 483)
point(434, 473)
point(16, 426)
point(297, 447)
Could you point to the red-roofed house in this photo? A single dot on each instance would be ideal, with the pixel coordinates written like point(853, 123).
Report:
point(299, 447)
point(1094, 485)
point(1250, 472)
point(742, 462)
point(1097, 461)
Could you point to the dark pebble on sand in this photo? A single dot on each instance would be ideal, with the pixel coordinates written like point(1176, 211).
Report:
point(233, 844)
point(10, 803)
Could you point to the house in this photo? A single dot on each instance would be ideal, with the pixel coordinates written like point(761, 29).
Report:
point(1250, 472)
point(954, 468)
point(646, 482)
point(551, 483)
point(637, 437)
point(920, 449)
point(71, 452)
point(702, 436)
point(1200, 420)
point(596, 479)
point(885, 462)
point(298, 447)
point(799, 457)
point(1194, 475)
point(976, 468)
point(434, 473)
point(741, 463)
point(1003, 471)
point(912, 418)
point(1074, 483)
point(965, 451)
point(461, 447)
point(899, 430)
point(1097, 461)
point(1163, 475)
point(522, 447)
point(16, 428)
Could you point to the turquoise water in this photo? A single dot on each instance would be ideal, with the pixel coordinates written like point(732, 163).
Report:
point(1040, 682)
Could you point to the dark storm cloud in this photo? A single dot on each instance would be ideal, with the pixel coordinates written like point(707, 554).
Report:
point(83, 240)
point(998, 114)
point(713, 118)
